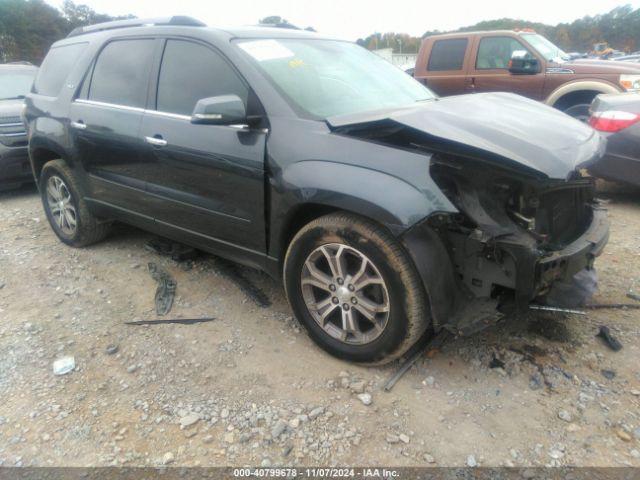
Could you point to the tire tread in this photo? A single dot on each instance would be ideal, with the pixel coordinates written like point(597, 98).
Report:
point(92, 230)
point(416, 305)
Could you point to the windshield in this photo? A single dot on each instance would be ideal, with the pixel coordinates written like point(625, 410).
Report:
point(545, 48)
point(15, 83)
point(323, 78)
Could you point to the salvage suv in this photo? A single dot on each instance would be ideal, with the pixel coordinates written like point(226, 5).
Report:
point(521, 62)
point(387, 212)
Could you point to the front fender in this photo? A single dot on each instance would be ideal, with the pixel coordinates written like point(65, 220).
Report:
point(379, 196)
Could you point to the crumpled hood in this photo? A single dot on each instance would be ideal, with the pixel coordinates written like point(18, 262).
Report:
point(499, 128)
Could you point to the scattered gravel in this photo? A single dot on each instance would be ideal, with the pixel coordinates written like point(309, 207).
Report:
point(251, 388)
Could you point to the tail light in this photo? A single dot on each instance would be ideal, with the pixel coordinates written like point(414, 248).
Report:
point(612, 120)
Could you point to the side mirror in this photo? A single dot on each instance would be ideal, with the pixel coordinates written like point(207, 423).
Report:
point(221, 110)
point(523, 63)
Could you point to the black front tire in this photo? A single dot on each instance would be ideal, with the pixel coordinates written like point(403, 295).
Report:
point(88, 229)
point(408, 317)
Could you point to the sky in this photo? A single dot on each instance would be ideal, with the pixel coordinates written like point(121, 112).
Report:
point(352, 19)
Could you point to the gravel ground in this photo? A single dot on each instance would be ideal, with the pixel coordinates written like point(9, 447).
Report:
point(251, 388)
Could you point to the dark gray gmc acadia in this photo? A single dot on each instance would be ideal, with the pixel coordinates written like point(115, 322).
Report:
point(387, 211)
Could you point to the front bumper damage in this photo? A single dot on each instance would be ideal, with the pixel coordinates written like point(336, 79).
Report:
point(529, 273)
point(510, 243)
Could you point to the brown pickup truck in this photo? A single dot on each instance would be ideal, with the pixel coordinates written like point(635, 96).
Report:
point(521, 62)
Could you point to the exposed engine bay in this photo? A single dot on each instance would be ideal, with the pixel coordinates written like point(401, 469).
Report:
point(504, 220)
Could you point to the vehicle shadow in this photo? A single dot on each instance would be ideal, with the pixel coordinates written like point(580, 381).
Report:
point(24, 190)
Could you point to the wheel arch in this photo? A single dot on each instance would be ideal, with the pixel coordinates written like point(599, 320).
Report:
point(568, 90)
point(376, 196)
point(40, 152)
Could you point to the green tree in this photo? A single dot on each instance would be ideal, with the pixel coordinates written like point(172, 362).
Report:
point(282, 23)
point(29, 27)
point(620, 28)
point(272, 20)
point(82, 15)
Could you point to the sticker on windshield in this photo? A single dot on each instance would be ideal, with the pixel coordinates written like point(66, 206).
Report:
point(263, 50)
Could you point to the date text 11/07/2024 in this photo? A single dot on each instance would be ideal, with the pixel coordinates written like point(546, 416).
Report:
point(320, 472)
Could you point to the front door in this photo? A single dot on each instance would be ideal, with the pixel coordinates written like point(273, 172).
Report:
point(207, 181)
point(490, 70)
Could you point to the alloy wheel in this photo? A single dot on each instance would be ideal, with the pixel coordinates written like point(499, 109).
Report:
point(345, 293)
point(61, 206)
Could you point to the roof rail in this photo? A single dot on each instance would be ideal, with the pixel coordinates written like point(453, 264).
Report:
point(137, 22)
point(279, 25)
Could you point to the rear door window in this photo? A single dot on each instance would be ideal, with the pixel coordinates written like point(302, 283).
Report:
point(121, 73)
point(495, 52)
point(447, 55)
point(191, 72)
point(56, 67)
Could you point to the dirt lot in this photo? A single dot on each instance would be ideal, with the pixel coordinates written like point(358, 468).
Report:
point(251, 388)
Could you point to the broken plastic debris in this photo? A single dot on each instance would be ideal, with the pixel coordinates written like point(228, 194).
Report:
point(547, 308)
point(64, 365)
point(177, 251)
point(183, 321)
point(610, 340)
point(233, 273)
point(419, 350)
point(166, 290)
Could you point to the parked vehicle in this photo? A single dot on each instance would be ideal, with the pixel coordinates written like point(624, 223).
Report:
point(617, 117)
point(15, 83)
point(521, 62)
point(385, 210)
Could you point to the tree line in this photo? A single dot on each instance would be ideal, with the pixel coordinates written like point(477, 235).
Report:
point(620, 28)
point(29, 27)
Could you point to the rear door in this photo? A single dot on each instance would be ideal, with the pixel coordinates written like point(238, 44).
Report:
point(207, 181)
point(105, 122)
point(489, 68)
point(446, 66)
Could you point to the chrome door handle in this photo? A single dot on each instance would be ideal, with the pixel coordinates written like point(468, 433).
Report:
point(79, 125)
point(158, 142)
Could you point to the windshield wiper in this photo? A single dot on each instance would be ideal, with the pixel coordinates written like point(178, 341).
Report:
point(18, 97)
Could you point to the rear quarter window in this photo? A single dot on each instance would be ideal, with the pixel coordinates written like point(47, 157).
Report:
point(56, 68)
point(447, 55)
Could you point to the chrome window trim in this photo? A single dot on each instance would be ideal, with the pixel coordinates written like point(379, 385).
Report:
point(109, 105)
point(131, 109)
point(169, 115)
point(176, 116)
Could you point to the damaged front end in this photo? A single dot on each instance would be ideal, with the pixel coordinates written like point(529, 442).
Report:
point(514, 237)
point(526, 218)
